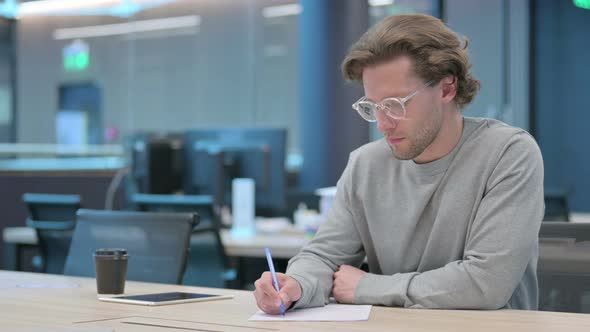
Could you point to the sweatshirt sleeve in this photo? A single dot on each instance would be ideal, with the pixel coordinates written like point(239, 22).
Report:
point(337, 242)
point(499, 246)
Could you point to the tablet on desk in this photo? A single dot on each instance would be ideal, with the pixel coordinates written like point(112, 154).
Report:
point(164, 298)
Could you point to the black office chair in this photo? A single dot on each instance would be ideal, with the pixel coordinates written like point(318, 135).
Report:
point(53, 217)
point(208, 266)
point(564, 266)
point(157, 243)
point(556, 206)
point(559, 230)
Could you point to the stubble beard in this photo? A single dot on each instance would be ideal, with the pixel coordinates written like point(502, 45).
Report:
point(420, 141)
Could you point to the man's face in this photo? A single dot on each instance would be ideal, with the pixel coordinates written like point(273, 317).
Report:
point(408, 137)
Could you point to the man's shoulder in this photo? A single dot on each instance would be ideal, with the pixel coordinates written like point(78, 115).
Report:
point(491, 126)
point(493, 137)
point(495, 132)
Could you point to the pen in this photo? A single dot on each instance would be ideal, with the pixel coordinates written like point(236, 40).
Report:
point(274, 276)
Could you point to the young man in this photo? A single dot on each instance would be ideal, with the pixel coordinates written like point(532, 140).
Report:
point(446, 209)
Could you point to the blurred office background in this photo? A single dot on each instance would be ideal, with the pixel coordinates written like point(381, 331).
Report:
point(111, 99)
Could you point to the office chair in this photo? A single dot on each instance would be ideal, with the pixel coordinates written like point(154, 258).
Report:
point(53, 218)
point(578, 231)
point(564, 266)
point(556, 206)
point(208, 266)
point(157, 243)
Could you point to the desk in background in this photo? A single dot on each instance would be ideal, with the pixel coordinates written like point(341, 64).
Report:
point(282, 245)
point(36, 308)
point(246, 253)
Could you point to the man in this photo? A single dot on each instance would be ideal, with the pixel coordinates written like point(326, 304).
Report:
point(446, 209)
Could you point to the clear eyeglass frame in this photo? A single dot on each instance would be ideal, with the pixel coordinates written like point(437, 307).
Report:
point(394, 108)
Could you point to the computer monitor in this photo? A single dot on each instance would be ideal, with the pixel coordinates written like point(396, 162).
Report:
point(229, 153)
point(204, 173)
point(156, 163)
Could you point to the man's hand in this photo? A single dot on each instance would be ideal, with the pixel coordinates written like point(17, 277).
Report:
point(345, 281)
point(269, 300)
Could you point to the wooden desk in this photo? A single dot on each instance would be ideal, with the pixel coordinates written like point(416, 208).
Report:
point(282, 245)
point(20, 235)
point(78, 308)
point(15, 240)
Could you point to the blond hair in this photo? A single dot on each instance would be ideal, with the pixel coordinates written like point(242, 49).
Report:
point(435, 50)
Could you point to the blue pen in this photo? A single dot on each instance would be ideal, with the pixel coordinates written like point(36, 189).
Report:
point(274, 276)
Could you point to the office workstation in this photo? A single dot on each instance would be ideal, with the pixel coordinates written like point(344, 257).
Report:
point(411, 165)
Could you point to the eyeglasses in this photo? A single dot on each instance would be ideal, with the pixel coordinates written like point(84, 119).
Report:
point(395, 108)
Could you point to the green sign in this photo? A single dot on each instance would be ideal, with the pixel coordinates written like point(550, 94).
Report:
point(76, 56)
point(582, 4)
point(76, 62)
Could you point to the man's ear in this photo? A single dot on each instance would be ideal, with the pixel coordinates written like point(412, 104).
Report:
point(449, 88)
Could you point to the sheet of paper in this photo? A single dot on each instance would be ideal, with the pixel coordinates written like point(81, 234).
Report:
point(330, 313)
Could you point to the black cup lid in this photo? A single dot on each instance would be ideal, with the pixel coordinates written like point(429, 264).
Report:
point(110, 252)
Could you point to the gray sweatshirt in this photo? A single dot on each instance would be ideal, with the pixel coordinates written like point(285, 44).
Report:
point(460, 232)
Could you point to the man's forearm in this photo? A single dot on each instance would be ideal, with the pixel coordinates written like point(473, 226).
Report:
point(458, 285)
point(315, 279)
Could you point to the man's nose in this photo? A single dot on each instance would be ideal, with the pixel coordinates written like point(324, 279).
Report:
point(385, 123)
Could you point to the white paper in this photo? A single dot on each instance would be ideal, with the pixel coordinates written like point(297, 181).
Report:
point(330, 313)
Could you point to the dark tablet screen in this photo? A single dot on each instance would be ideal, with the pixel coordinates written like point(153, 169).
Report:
point(164, 297)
